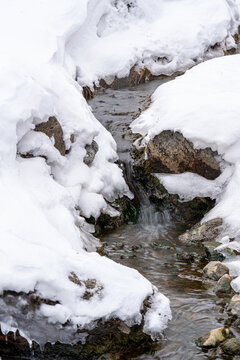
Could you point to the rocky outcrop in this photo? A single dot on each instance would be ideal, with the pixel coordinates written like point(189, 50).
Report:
point(213, 338)
point(170, 152)
point(215, 270)
point(200, 233)
point(53, 129)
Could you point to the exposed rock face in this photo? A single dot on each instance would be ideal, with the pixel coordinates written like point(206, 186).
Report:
point(234, 305)
point(91, 151)
point(52, 128)
point(189, 212)
point(170, 152)
point(224, 284)
point(215, 270)
point(213, 338)
point(207, 231)
point(231, 347)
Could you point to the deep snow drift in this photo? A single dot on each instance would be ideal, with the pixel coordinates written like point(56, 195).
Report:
point(204, 106)
point(163, 35)
point(44, 198)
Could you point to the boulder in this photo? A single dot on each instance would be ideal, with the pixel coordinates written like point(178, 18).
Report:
point(207, 231)
point(170, 152)
point(224, 284)
point(215, 270)
point(213, 338)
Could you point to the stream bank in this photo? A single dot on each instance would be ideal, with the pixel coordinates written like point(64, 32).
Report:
point(151, 245)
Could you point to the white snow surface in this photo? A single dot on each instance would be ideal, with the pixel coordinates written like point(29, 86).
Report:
point(42, 231)
point(164, 36)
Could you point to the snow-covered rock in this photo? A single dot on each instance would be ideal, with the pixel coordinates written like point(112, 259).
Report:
point(45, 196)
point(164, 36)
point(204, 106)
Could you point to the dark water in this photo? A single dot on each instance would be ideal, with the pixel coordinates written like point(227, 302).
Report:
point(151, 246)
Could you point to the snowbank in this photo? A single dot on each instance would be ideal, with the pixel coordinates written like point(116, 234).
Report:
point(44, 198)
point(162, 35)
point(204, 106)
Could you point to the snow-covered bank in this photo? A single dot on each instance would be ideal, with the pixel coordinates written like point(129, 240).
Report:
point(163, 36)
point(204, 106)
point(45, 194)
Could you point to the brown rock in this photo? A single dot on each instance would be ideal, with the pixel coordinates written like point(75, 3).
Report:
point(207, 231)
point(52, 128)
point(170, 152)
point(231, 347)
point(215, 270)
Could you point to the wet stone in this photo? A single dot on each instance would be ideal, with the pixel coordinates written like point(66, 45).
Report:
point(213, 338)
point(224, 284)
point(215, 270)
point(211, 252)
point(231, 347)
point(200, 233)
point(234, 305)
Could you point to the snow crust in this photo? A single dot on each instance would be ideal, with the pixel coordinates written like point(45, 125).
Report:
point(165, 36)
point(43, 234)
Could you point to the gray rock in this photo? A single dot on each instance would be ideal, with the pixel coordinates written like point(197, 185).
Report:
point(170, 152)
point(224, 284)
point(52, 128)
point(202, 232)
point(213, 338)
point(91, 151)
point(231, 347)
point(215, 270)
point(234, 305)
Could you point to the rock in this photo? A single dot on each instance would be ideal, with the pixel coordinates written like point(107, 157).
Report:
point(170, 152)
point(231, 347)
point(211, 252)
point(189, 212)
point(215, 270)
point(224, 284)
point(91, 151)
point(202, 232)
point(213, 338)
point(234, 305)
point(52, 128)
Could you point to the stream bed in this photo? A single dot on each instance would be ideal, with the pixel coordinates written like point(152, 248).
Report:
point(152, 245)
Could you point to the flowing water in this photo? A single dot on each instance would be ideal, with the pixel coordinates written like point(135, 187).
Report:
point(152, 246)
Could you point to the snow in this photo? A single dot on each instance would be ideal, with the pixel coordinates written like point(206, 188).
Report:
point(164, 36)
point(44, 236)
point(203, 105)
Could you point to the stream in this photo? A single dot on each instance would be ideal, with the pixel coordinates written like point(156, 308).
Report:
point(152, 245)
